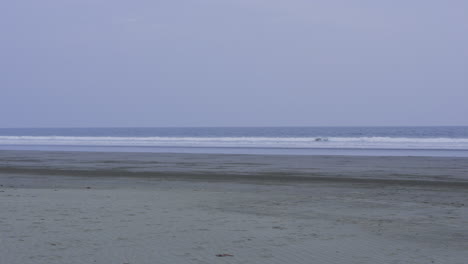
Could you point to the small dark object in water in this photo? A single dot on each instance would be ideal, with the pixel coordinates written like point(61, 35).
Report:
point(321, 139)
point(88, 187)
point(224, 255)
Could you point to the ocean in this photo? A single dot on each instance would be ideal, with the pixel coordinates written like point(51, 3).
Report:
point(367, 141)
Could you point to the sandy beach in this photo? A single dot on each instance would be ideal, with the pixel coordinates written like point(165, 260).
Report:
point(76, 207)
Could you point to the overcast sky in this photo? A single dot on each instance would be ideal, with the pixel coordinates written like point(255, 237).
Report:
point(75, 63)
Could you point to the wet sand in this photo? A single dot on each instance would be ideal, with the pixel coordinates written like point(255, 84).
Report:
point(65, 207)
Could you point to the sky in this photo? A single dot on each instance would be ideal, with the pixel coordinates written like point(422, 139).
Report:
point(152, 63)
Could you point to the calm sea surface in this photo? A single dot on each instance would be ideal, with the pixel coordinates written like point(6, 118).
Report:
point(399, 141)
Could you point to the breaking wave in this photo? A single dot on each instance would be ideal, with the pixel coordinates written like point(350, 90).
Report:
point(246, 142)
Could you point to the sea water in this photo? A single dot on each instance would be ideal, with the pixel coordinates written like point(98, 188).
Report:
point(374, 141)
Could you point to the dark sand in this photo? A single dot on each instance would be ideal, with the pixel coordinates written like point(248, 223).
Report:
point(397, 170)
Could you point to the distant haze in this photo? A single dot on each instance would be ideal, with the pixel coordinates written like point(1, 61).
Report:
point(78, 63)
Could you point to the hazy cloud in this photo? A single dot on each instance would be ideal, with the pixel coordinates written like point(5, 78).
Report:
point(244, 62)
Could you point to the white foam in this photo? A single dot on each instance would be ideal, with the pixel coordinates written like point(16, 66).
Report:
point(253, 142)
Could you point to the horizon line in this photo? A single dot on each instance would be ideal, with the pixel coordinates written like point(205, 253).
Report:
point(293, 126)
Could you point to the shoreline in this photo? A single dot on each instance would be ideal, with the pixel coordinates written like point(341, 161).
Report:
point(318, 151)
point(437, 171)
